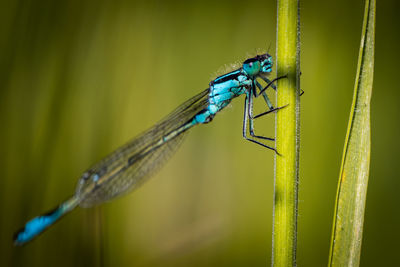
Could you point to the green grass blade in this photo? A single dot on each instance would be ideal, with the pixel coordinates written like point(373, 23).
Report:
point(287, 135)
point(353, 180)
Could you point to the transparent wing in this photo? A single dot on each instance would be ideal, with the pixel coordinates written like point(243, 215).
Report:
point(130, 165)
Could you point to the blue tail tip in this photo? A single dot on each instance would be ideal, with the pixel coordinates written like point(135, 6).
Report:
point(18, 239)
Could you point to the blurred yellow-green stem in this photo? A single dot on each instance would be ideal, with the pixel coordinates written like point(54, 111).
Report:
point(287, 135)
point(353, 180)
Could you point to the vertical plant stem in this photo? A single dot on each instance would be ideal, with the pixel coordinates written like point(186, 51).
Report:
point(287, 135)
point(353, 180)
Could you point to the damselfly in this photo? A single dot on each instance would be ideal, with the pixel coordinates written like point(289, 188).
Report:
point(129, 166)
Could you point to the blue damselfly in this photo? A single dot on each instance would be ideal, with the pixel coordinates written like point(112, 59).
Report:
point(130, 165)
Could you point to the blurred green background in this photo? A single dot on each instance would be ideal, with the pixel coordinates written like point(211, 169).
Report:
point(80, 78)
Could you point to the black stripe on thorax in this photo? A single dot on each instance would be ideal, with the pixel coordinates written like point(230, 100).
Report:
point(230, 76)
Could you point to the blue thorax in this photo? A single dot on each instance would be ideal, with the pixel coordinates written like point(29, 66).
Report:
point(233, 84)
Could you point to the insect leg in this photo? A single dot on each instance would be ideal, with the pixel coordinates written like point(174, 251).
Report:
point(270, 83)
point(251, 121)
point(246, 114)
point(269, 104)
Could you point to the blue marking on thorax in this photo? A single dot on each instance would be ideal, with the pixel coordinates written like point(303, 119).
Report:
point(218, 99)
point(222, 90)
